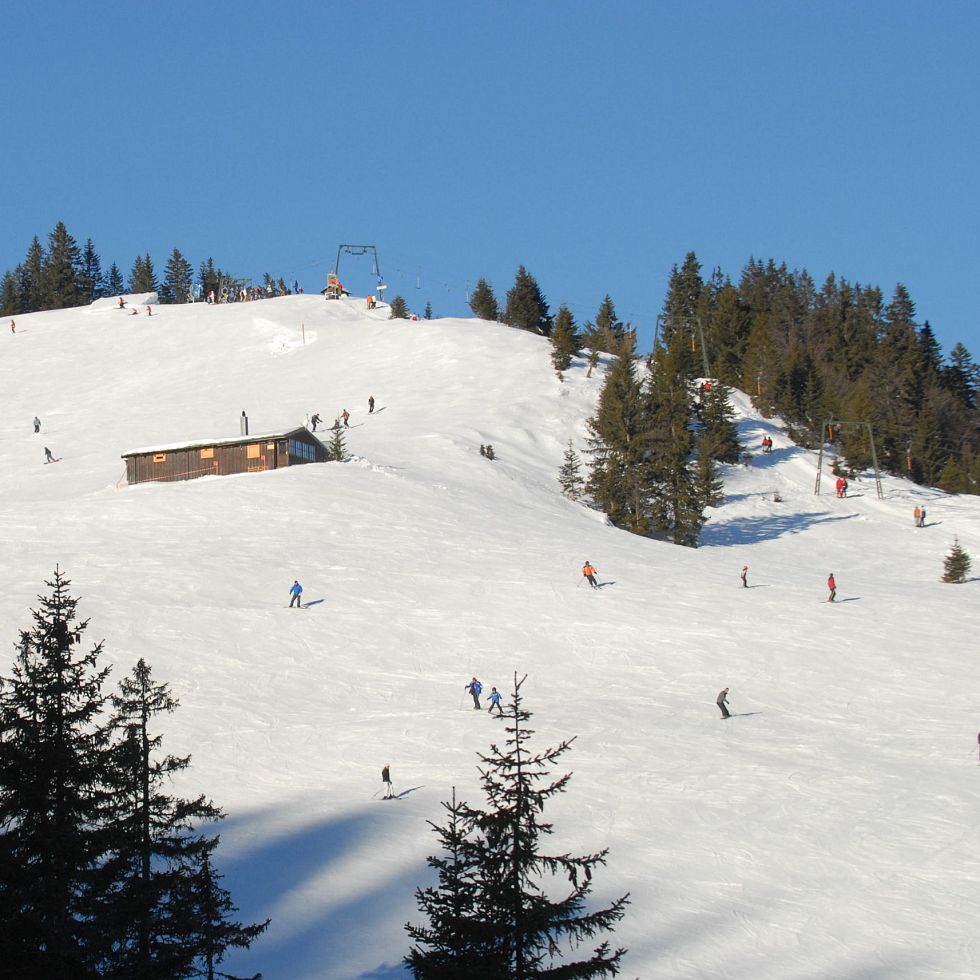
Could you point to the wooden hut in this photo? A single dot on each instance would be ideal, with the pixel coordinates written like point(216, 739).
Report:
point(220, 457)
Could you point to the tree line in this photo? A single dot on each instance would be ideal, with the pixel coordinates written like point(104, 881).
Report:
point(103, 873)
point(66, 274)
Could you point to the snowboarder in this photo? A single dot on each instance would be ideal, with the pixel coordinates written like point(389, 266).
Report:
point(745, 576)
point(37, 424)
point(474, 687)
point(370, 404)
point(49, 456)
point(832, 585)
point(345, 415)
point(590, 573)
point(296, 592)
point(494, 701)
point(316, 420)
point(722, 702)
point(917, 514)
point(386, 780)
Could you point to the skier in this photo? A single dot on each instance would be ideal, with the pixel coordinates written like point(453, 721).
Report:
point(48, 456)
point(744, 576)
point(13, 327)
point(474, 687)
point(495, 701)
point(922, 518)
point(832, 585)
point(590, 573)
point(345, 415)
point(37, 424)
point(386, 779)
point(840, 486)
point(296, 591)
point(917, 514)
point(316, 420)
point(122, 302)
point(843, 488)
point(722, 702)
point(370, 404)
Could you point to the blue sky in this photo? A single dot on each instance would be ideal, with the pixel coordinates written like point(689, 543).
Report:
point(594, 143)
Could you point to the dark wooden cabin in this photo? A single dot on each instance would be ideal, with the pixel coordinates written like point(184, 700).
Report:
point(221, 457)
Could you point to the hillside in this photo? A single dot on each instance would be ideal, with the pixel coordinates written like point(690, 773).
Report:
point(826, 831)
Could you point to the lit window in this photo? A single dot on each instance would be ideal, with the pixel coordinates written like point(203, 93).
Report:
point(253, 451)
point(207, 453)
point(159, 457)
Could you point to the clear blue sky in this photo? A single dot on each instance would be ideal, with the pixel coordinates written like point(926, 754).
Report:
point(594, 143)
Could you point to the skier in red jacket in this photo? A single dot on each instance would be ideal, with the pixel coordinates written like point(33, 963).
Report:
point(832, 585)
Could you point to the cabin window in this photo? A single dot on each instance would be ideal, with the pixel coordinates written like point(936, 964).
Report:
point(159, 457)
point(302, 450)
point(252, 452)
point(207, 453)
point(270, 446)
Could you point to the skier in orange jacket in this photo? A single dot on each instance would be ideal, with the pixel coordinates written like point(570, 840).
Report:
point(590, 573)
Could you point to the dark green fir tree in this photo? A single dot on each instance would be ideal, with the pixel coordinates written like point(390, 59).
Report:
point(337, 447)
point(399, 309)
point(91, 281)
point(483, 303)
point(564, 341)
point(956, 565)
point(61, 275)
point(526, 307)
point(114, 282)
point(30, 279)
point(143, 279)
point(570, 474)
point(178, 279)
point(9, 305)
point(427, 313)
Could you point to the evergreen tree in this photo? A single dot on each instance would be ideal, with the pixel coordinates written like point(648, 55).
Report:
point(606, 334)
point(956, 565)
point(30, 285)
point(620, 478)
point(453, 944)
point(718, 437)
point(151, 914)
point(483, 303)
point(398, 309)
point(9, 305)
point(178, 278)
point(90, 280)
point(570, 474)
point(55, 763)
point(683, 303)
point(564, 341)
point(61, 275)
point(210, 278)
point(114, 281)
point(142, 279)
point(526, 307)
point(427, 314)
point(962, 376)
point(337, 447)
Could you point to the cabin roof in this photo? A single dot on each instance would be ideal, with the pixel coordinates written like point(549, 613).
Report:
point(236, 441)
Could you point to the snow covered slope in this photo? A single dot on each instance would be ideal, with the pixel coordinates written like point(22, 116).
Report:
point(828, 830)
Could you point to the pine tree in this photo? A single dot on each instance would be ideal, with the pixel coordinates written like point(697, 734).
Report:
point(454, 943)
point(564, 341)
point(518, 880)
point(718, 438)
point(620, 478)
point(606, 334)
point(210, 278)
point(956, 565)
point(526, 307)
point(30, 285)
point(570, 474)
point(178, 278)
point(9, 305)
point(158, 852)
point(427, 314)
point(337, 447)
point(55, 763)
point(483, 303)
point(142, 279)
point(90, 280)
point(399, 309)
point(61, 274)
point(114, 282)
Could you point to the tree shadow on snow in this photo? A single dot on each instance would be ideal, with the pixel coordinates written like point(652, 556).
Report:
point(328, 918)
point(748, 530)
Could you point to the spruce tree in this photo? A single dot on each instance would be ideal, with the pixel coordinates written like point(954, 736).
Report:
point(427, 314)
point(91, 281)
point(606, 334)
point(399, 309)
point(178, 278)
point(526, 307)
point(114, 281)
point(55, 765)
point(519, 881)
point(564, 341)
point(61, 275)
point(956, 565)
point(718, 436)
point(570, 474)
point(142, 278)
point(210, 278)
point(9, 305)
point(337, 447)
point(455, 941)
point(483, 303)
point(30, 285)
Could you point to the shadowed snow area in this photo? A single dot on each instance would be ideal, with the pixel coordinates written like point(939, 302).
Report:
point(828, 830)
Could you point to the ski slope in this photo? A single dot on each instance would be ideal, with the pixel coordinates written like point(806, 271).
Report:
point(828, 830)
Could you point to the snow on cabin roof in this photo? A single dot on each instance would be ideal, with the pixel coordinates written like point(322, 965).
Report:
point(204, 443)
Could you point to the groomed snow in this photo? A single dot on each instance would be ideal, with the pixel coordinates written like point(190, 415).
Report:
point(829, 830)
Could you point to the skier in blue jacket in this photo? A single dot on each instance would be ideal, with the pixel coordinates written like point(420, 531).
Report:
point(495, 701)
point(296, 591)
point(474, 687)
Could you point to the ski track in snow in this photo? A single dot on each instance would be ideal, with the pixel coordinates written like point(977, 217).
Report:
point(828, 830)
